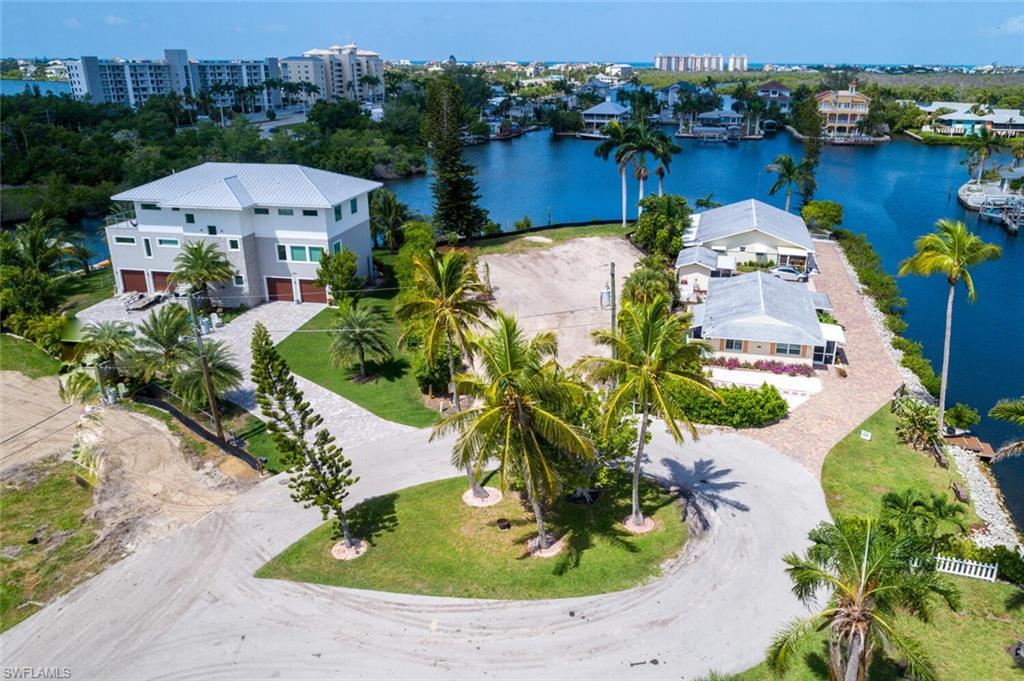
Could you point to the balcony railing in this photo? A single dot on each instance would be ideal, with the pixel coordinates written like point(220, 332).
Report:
point(125, 219)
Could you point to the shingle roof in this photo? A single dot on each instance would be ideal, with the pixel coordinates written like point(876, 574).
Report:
point(749, 215)
point(234, 186)
point(760, 307)
point(697, 255)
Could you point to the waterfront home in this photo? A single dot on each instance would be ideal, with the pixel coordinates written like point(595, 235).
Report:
point(273, 222)
point(774, 92)
point(604, 113)
point(1000, 122)
point(720, 118)
point(752, 231)
point(756, 316)
point(670, 94)
point(696, 265)
point(843, 109)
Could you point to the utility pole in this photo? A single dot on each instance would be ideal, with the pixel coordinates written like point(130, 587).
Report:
point(614, 307)
point(210, 395)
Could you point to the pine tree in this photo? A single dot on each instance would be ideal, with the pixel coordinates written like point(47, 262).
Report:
point(455, 191)
point(320, 473)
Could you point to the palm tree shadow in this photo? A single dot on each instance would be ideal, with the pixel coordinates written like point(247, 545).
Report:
point(702, 489)
point(389, 370)
point(373, 518)
point(1015, 601)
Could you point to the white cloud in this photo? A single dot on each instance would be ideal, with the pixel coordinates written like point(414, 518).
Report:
point(72, 22)
point(1011, 26)
point(114, 20)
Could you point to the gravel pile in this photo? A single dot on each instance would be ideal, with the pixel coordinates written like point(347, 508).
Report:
point(987, 503)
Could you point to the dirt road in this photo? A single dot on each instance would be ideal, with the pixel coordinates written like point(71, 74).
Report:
point(34, 422)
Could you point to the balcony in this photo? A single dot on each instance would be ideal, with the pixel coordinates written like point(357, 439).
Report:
point(126, 219)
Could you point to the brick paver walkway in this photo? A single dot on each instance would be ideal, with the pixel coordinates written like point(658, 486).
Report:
point(811, 430)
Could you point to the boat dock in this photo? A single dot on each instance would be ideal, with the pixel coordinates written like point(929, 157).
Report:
point(1005, 210)
point(982, 450)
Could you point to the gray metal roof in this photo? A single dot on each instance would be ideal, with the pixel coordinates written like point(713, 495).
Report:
point(750, 215)
point(697, 311)
point(821, 301)
point(606, 108)
point(720, 113)
point(235, 186)
point(760, 307)
point(697, 255)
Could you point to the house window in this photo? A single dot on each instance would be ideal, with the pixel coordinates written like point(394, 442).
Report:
point(262, 211)
point(239, 280)
point(310, 213)
point(734, 344)
point(126, 240)
point(743, 249)
point(298, 253)
point(149, 206)
point(787, 349)
point(315, 253)
point(282, 252)
point(211, 230)
point(336, 247)
point(285, 211)
point(148, 247)
point(168, 243)
point(233, 244)
point(354, 205)
point(337, 213)
point(176, 209)
point(190, 218)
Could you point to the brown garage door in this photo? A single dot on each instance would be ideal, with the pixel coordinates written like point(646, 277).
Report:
point(279, 289)
point(160, 280)
point(134, 281)
point(311, 293)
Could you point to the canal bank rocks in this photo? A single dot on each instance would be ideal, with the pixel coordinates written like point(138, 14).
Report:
point(987, 504)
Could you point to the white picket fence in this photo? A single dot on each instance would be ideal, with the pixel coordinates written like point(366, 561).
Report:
point(964, 568)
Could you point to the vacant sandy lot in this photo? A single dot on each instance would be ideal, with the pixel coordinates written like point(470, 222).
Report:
point(34, 422)
point(559, 288)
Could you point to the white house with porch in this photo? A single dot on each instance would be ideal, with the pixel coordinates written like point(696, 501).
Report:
point(752, 231)
point(604, 113)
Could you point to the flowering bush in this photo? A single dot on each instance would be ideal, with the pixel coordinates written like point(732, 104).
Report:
point(770, 365)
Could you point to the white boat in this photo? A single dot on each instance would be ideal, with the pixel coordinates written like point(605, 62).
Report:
point(591, 135)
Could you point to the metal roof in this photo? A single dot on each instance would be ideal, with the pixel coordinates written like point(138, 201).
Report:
point(697, 255)
point(760, 307)
point(822, 301)
point(235, 186)
point(606, 108)
point(753, 215)
point(720, 113)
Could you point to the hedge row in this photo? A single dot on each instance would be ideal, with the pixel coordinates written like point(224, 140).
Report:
point(738, 408)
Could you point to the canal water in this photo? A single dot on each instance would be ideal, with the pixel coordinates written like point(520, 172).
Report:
point(893, 193)
point(16, 87)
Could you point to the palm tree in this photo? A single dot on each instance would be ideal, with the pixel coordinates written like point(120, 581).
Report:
point(650, 356)
point(358, 331)
point(789, 174)
point(188, 380)
point(44, 245)
point(158, 347)
point(638, 141)
point(108, 339)
point(707, 202)
point(78, 386)
point(447, 302)
point(665, 150)
point(1013, 412)
point(952, 250)
point(866, 567)
point(616, 136)
point(387, 215)
point(981, 145)
point(200, 264)
point(518, 419)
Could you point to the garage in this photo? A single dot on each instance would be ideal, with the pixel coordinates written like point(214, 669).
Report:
point(311, 293)
point(134, 281)
point(160, 280)
point(279, 288)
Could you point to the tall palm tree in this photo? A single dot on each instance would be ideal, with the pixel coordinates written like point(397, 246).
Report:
point(639, 141)
point(518, 419)
point(663, 153)
point(387, 215)
point(951, 250)
point(866, 567)
point(981, 146)
point(158, 347)
point(788, 174)
point(359, 331)
point(224, 372)
point(200, 264)
point(650, 357)
point(1013, 412)
point(448, 301)
point(616, 136)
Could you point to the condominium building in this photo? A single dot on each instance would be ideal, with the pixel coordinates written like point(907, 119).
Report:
point(700, 62)
point(843, 109)
point(132, 82)
point(340, 72)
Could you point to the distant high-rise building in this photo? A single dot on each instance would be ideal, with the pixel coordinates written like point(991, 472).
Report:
point(132, 82)
point(700, 62)
point(340, 72)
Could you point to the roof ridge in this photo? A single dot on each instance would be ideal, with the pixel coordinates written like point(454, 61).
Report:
point(305, 175)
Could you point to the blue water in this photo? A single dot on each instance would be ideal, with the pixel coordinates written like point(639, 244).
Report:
point(16, 87)
point(893, 193)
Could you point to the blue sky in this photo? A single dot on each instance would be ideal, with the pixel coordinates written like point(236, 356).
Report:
point(948, 33)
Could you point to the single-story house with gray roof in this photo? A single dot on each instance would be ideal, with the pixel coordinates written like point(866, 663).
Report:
point(753, 231)
point(757, 316)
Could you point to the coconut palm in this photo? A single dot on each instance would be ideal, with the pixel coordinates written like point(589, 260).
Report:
point(43, 245)
point(707, 202)
point(952, 250)
point(359, 331)
point(518, 419)
point(448, 301)
point(200, 264)
point(650, 357)
point(188, 380)
point(1013, 412)
point(158, 346)
point(789, 173)
point(866, 567)
point(981, 146)
point(387, 215)
point(616, 136)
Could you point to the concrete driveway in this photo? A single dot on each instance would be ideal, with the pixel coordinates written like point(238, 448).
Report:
point(188, 607)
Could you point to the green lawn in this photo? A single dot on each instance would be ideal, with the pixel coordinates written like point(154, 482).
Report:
point(393, 396)
point(20, 355)
point(257, 440)
point(424, 540)
point(54, 505)
point(83, 290)
point(514, 243)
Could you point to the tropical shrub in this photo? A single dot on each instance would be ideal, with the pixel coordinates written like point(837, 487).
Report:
point(917, 423)
point(822, 214)
point(770, 365)
point(659, 230)
point(738, 408)
point(651, 277)
point(962, 415)
point(338, 272)
point(524, 224)
point(420, 239)
point(1011, 563)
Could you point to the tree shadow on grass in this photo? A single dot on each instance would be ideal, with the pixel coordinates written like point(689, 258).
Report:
point(373, 518)
point(1015, 600)
point(702, 489)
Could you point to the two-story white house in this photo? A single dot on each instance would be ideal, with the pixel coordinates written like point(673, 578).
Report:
point(272, 221)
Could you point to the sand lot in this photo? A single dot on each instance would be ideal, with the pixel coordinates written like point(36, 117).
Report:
point(34, 422)
point(559, 288)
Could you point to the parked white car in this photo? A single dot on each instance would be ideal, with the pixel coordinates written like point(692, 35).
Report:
point(787, 273)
